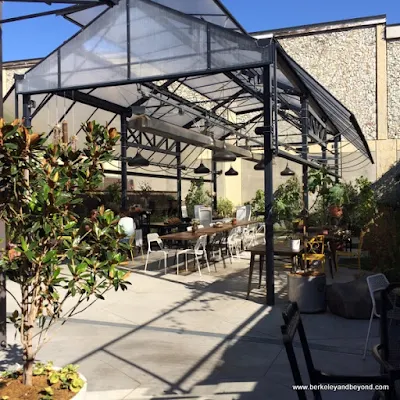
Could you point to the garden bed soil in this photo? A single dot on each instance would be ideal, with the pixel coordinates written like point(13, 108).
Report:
point(16, 390)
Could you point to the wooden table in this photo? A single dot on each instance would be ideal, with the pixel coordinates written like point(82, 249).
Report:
point(186, 236)
point(282, 249)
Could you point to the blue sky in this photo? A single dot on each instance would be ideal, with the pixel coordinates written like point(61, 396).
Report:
point(38, 37)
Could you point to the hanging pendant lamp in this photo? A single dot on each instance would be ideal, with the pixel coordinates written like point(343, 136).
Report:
point(260, 166)
point(287, 171)
point(223, 155)
point(201, 169)
point(231, 172)
point(138, 161)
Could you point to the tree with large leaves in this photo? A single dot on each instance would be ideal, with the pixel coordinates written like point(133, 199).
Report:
point(60, 271)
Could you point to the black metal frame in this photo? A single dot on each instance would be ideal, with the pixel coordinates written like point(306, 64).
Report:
point(310, 119)
point(292, 325)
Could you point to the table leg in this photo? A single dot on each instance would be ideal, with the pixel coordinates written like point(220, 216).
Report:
point(262, 258)
point(250, 275)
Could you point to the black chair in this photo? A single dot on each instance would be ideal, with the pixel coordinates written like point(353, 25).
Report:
point(387, 353)
point(293, 324)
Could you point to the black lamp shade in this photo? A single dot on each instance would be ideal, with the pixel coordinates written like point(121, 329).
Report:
point(223, 155)
point(201, 169)
point(260, 166)
point(138, 161)
point(231, 172)
point(287, 171)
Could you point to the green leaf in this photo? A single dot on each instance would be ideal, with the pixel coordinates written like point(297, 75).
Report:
point(49, 255)
point(24, 245)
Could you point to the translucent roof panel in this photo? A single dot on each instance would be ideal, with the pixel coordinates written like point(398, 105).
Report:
point(162, 43)
point(208, 10)
point(84, 17)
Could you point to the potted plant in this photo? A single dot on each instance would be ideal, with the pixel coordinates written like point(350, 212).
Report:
point(335, 200)
point(54, 260)
point(195, 225)
point(224, 208)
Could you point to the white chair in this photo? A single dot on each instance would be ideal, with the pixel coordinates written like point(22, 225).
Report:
point(139, 241)
point(199, 250)
point(241, 213)
point(249, 237)
point(376, 283)
point(233, 242)
point(184, 212)
point(154, 238)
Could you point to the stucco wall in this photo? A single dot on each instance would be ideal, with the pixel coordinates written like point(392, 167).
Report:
point(393, 74)
point(345, 63)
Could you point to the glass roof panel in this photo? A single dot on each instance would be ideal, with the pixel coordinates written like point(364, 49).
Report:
point(208, 10)
point(163, 43)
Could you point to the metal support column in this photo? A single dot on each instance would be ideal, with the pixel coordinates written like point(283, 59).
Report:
point(268, 183)
point(305, 127)
point(124, 169)
point(26, 110)
point(3, 292)
point(323, 149)
point(214, 180)
point(179, 178)
point(336, 153)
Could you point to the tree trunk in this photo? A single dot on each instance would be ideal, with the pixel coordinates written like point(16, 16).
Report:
point(27, 336)
point(28, 371)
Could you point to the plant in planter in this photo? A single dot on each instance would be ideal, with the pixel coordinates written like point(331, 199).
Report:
point(55, 261)
point(335, 200)
point(195, 225)
point(197, 195)
point(224, 208)
point(287, 203)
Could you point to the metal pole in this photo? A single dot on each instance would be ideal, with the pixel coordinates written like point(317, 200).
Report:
point(124, 168)
point(268, 184)
point(336, 152)
point(214, 181)
point(179, 178)
point(3, 292)
point(305, 126)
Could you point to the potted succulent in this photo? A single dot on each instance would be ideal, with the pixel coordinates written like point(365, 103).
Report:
point(195, 225)
point(54, 260)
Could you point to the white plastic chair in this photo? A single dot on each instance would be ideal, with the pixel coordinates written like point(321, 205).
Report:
point(154, 238)
point(139, 241)
point(184, 212)
point(233, 242)
point(199, 250)
point(249, 237)
point(376, 283)
point(241, 213)
point(205, 216)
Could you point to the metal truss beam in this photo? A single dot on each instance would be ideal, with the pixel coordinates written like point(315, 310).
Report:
point(147, 175)
point(142, 141)
point(93, 101)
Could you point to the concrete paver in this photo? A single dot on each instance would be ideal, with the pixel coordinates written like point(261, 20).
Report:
point(190, 337)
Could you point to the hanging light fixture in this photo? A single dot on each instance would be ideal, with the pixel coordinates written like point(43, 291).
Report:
point(231, 172)
point(287, 171)
point(201, 169)
point(223, 155)
point(138, 161)
point(260, 166)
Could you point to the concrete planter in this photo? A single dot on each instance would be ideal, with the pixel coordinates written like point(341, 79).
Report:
point(308, 291)
point(81, 395)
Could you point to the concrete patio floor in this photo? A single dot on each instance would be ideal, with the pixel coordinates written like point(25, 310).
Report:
point(190, 337)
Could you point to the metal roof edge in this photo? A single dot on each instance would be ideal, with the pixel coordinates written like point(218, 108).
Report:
point(323, 26)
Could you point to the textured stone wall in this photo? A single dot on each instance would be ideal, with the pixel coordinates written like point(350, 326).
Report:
point(345, 63)
point(393, 72)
